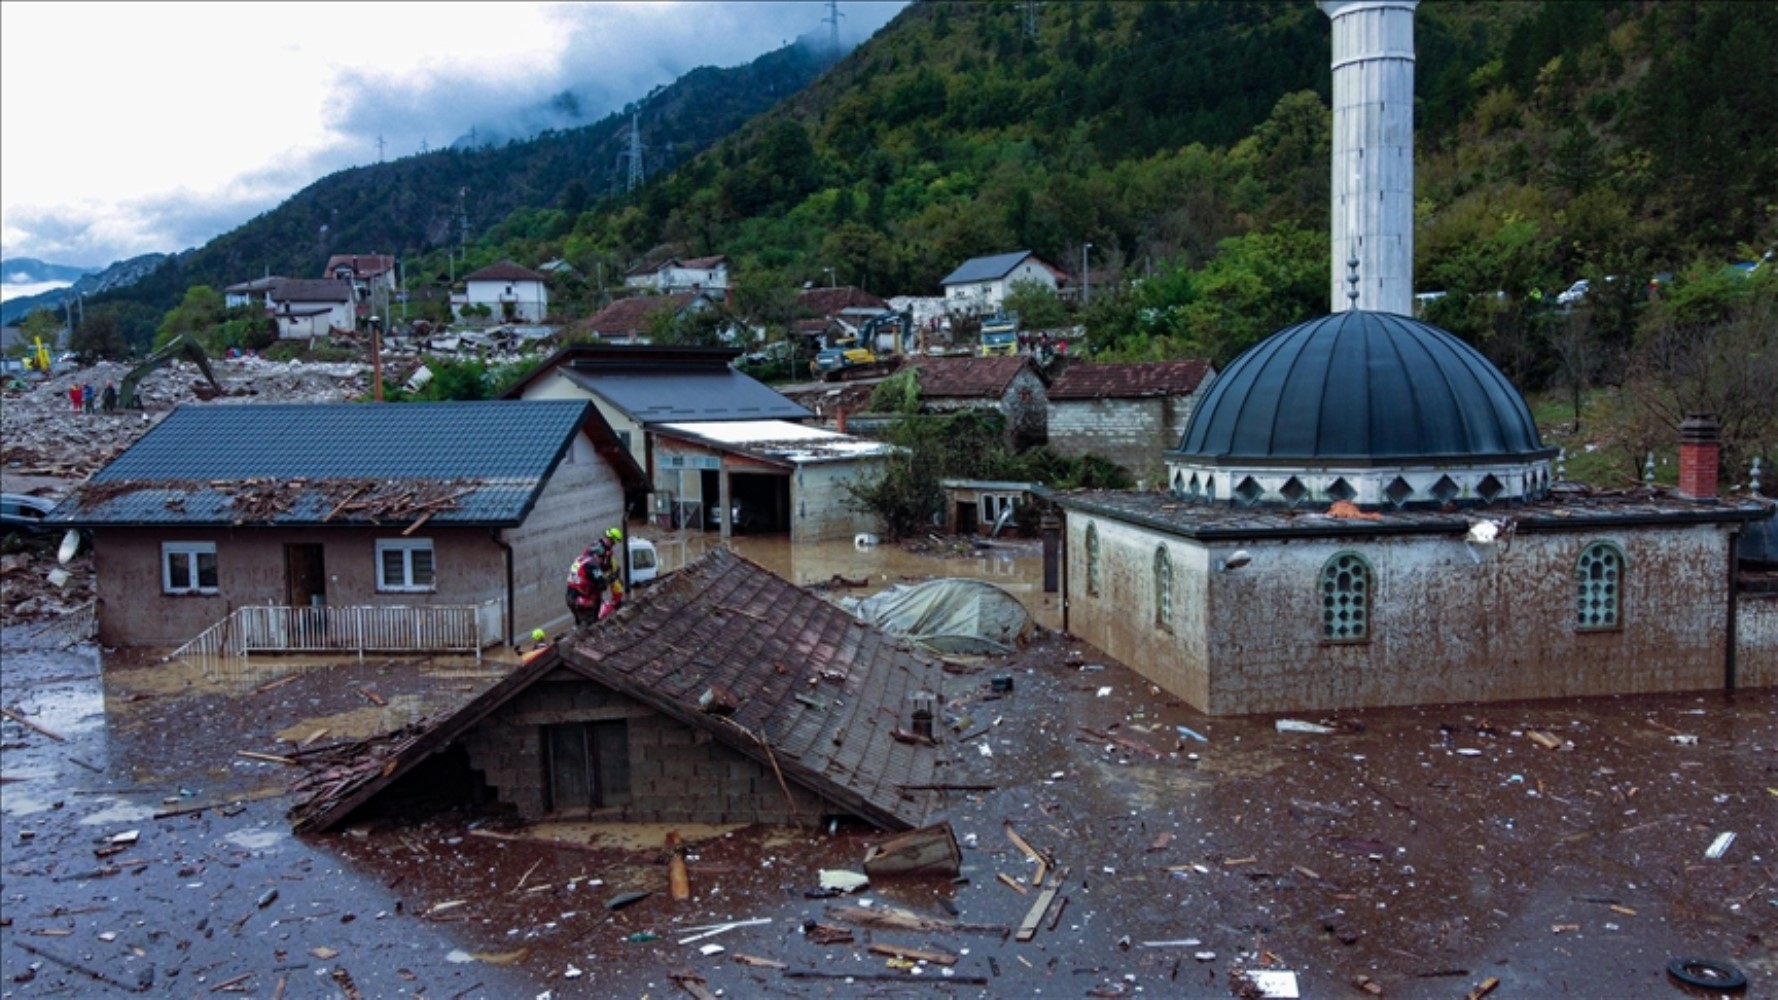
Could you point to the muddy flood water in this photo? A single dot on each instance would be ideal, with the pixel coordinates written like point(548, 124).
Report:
point(1527, 850)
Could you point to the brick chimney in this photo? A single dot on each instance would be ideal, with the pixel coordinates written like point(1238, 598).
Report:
point(1700, 450)
point(839, 419)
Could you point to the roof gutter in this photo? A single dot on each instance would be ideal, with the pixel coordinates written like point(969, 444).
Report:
point(506, 554)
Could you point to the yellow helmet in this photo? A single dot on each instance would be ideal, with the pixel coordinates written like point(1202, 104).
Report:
point(614, 534)
point(538, 635)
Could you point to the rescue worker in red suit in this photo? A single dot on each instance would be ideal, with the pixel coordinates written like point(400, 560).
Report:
point(586, 581)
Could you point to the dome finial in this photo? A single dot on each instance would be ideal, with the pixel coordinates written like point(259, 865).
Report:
point(1352, 279)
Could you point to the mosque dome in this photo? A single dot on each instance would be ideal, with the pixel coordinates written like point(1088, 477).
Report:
point(1373, 407)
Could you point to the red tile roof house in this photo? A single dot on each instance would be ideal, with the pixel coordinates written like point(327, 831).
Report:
point(1127, 413)
point(285, 524)
point(1008, 385)
point(628, 320)
point(511, 293)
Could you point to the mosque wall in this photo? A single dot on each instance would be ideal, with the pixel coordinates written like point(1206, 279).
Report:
point(1756, 641)
point(1448, 622)
point(1121, 614)
point(1444, 621)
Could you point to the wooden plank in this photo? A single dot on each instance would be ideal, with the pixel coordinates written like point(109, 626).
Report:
point(913, 954)
point(28, 724)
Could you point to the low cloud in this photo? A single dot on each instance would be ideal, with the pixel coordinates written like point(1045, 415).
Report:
point(613, 54)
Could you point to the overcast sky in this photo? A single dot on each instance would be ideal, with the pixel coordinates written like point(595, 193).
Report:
point(144, 127)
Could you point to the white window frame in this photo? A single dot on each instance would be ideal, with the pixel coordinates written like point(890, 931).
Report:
point(193, 576)
point(407, 547)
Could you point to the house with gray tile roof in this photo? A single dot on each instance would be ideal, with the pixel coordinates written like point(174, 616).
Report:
point(712, 437)
point(980, 284)
point(347, 506)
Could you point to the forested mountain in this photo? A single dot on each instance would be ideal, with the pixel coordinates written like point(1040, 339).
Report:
point(411, 205)
point(1186, 142)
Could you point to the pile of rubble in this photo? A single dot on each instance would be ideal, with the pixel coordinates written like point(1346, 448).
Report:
point(47, 447)
point(44, 435)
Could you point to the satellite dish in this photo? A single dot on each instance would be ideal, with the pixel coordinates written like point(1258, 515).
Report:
point(70, 547)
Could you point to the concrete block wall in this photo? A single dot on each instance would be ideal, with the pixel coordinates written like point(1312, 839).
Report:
point(818, 500)
point(1134, 433)
point(678, 773)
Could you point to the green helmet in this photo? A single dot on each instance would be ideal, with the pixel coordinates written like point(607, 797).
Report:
point(614, 534)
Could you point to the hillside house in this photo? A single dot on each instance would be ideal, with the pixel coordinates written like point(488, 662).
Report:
point(510, 292)
point(628, 321)
point(305, 308)
point(330, 512)
point(980, 285)
point(675, 275)
point(257, 292)
point(368, 272)
point(1009, 386)
point(1125, 413)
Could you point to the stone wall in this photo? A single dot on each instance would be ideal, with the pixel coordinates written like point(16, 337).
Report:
point(678, 774)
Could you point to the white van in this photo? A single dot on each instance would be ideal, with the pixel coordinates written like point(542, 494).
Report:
point(645, 563)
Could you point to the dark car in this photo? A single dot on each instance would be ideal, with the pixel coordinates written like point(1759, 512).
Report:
point(23, 514)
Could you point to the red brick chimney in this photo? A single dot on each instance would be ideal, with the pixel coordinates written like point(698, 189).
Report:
point(839, 419)
point(1700, 450)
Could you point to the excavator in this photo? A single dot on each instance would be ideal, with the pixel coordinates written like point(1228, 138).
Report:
point(178, 347)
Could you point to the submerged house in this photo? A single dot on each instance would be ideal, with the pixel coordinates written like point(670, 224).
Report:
point(1125, 413)
point(723, 694)
point(316, 509)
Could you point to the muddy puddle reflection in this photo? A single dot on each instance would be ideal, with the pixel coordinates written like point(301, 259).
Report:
point(1014, 565)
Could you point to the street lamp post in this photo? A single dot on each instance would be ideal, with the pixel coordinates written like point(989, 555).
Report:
point(1086, 284)
point(829, 271)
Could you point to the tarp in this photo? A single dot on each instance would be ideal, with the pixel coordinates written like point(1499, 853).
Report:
point(971, 617)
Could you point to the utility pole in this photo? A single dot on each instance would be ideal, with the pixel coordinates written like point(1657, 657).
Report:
point(832, 20)
point(1086, 281)
point(635, 152)
point(379, 147)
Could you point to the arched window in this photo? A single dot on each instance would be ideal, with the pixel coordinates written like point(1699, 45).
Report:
point(1093, 559)
point(1163, 588)
point(1346, 598)
point(1599, 578)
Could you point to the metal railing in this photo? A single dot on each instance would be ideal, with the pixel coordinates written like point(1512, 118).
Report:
point(449, 628)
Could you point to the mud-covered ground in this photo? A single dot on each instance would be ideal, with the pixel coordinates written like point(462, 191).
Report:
point(1430, 850)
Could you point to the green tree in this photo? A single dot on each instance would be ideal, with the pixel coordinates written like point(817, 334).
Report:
point(1036, 304)
point(101, 336)
point(195, 317)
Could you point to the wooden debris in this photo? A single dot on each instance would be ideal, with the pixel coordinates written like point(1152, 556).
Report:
point(932, 955)
point(892, 918)
point(28, 724)
point(1122, 741)
point(375, 698)
point(1483, 989)
point(693, 984)
point(826, 934)
point(677, 877)
point(1028, 927)
point(1543, 739)
point(312, 737)
point(1161, 842)
point(930, 850)
point(766, 963)
point(270, 758)
point(229, 984)
point(1012, 883)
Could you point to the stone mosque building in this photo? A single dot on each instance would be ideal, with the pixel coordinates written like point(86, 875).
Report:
point(1361, 512)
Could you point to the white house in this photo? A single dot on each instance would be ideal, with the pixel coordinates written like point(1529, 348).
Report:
point(511, 293)
point(305, 308)
point(257, 292)
point(981, 284)
point(697, 274)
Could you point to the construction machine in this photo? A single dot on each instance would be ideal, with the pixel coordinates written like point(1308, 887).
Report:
point(179, 347)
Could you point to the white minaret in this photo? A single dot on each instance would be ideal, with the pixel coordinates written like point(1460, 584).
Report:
point(1373, 152)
